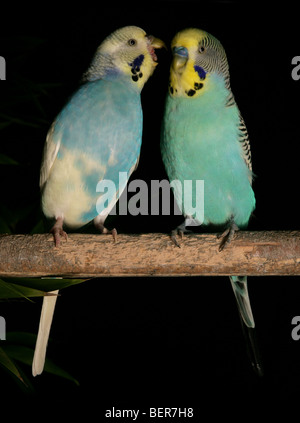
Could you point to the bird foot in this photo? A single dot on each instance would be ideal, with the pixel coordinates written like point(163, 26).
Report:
point(104, 230)
point(58, 232)
point(180, 231)
point(227, 236)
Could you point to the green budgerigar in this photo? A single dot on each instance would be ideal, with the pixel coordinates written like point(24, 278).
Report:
point(204, 138)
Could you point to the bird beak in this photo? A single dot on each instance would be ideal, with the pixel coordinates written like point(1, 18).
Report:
point(156, 42)
point(180, 57)
point(153, 44)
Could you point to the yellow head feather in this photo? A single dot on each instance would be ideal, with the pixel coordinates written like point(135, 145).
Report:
point(189, 38)
point(191, 67)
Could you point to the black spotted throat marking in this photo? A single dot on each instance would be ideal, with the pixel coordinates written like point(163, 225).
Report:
point(136, 68)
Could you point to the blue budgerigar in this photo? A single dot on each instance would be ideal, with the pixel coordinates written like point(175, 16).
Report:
point(95, 137)
point(204, 138)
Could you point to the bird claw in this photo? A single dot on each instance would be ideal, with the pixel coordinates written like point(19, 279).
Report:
point(180, 231)
point(174, 233)
point(227, 236)
point(104, 230)
point(58, 232)
point(114, 234)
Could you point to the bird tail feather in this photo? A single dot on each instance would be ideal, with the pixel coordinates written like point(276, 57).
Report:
point(239, 285)
point(47, 312)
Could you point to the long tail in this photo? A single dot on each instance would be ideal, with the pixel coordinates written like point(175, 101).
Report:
point(239, 285)
point(43, 334)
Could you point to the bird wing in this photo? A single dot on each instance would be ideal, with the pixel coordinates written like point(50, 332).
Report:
point(244, 140)
point(49, 155)
point(243, 134)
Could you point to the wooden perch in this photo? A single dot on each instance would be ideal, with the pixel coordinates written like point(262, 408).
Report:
point(82, 255)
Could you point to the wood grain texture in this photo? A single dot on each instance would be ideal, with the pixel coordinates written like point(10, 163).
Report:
point(154, 254)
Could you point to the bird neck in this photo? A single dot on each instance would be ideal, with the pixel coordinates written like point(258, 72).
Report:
point(213, 89)
point(135, 73)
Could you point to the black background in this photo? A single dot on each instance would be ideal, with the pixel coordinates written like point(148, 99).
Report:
point(150, 342)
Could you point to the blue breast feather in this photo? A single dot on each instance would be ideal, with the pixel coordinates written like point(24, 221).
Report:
point(101, 126)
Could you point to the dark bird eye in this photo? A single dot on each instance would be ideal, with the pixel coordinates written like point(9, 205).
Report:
point(131, 42)
point(201, 49)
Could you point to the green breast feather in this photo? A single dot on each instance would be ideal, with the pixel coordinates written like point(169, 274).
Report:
point(201, 142)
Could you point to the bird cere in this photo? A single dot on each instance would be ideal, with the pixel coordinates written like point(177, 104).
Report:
point(93, 146)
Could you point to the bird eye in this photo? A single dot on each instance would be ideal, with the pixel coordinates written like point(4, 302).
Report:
point(131, 42)
point(201, 49)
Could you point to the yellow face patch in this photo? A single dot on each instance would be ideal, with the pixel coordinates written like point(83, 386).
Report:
point(188, 83)
point(140, 69)
point(189, 80)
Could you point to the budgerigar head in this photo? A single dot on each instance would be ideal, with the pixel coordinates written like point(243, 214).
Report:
point(196, 56)
point(128, 51)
